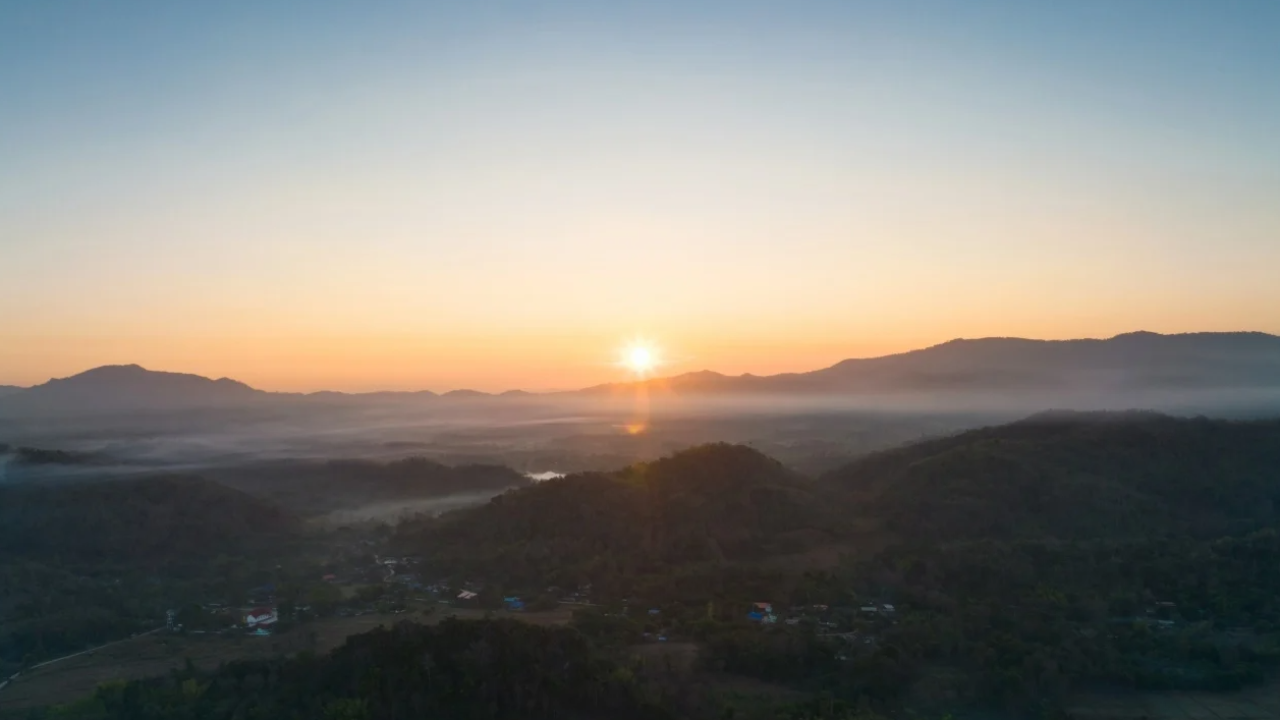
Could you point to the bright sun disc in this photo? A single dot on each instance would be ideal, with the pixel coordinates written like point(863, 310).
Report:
point(640, 359)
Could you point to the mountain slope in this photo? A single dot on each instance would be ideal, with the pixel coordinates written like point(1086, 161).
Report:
point(6, 390)
point(1073, 476)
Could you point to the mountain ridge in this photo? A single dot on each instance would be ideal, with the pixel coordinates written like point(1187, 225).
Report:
point(1135, 360)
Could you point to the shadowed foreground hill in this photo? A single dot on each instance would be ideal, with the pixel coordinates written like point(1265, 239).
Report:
point(145, 520)
point(1073, 476)
point(713, 503)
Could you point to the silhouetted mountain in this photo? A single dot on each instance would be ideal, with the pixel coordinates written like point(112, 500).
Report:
point(1140, 361)
point(1073, 476)
point(9, 390)
point(128, 387)
point(464, 394)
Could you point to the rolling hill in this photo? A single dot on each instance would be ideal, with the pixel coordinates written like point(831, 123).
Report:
point(1051, 477)
point(709, 504)
point(1074, 476)
point(150, 520)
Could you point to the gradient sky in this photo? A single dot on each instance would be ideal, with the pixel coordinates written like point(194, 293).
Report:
point(382, 195)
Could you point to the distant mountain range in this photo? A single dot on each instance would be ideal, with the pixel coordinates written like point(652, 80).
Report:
point(1133, 361)
point(1141, 362)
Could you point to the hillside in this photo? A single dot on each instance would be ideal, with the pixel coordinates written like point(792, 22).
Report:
point(312, 487)
point(1073, 476)
point(710, 504)
point(146, 521)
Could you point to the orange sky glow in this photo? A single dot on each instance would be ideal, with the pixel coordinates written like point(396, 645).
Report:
point(436, 196)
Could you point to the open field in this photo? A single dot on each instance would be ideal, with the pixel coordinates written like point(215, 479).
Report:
point(154, 655)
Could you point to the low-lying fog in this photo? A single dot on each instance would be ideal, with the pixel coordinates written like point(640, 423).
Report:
point(553, 435)
point(395, 510)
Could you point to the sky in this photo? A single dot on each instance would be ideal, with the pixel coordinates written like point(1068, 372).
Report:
point(410, 195)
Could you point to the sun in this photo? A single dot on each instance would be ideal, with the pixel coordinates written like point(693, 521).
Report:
point(640, 359)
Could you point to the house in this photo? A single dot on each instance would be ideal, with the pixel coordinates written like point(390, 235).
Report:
point(869, 609)
point(467, 595)
point(513, 603)
point(763, 607)
point(261, 617)
point(887, 608)
point(330, 577)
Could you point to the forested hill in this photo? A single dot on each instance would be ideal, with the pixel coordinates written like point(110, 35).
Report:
point(1073, 476)
point(713, 503)
point(312, 486)
point(145, 520)
point(1066, 476)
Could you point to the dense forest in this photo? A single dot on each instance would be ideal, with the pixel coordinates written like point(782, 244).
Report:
point(1004, 570)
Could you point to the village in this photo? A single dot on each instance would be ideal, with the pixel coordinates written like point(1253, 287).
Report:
point(358, 581)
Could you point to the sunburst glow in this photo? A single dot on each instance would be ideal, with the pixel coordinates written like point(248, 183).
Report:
point(639, 357)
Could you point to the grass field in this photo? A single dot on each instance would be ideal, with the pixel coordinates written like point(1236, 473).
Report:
point(157, 654)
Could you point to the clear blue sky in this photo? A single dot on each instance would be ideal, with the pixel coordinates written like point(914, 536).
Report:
point(386, 194)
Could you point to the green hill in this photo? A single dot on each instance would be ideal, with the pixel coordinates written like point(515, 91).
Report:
point(1073, 476)
point(149, 520)
point(710, 504)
